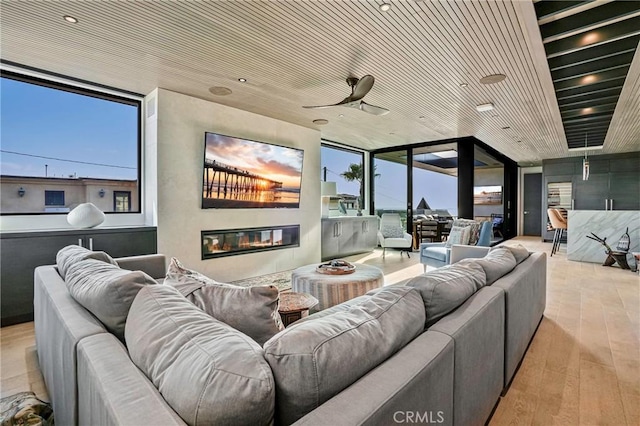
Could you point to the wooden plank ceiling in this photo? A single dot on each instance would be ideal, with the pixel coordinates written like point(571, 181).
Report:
point(296, 53)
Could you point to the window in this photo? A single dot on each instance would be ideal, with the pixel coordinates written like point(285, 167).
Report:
point(54, 198)
point(121, 201)
point(70, 137)
point(346, 169)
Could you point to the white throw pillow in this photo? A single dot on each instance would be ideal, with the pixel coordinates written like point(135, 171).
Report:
point(459, 235)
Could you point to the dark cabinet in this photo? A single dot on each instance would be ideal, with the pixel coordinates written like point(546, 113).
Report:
point(624, 191)
point(591, 194)
point(22, 252)
point(613, 184)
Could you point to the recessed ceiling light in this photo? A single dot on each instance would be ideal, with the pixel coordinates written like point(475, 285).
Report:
point(71, 19)
point(492, 79)
point(484, 107)
point(320, 121)
point(384, 7)
point(591, 38)
point(589, 79)
point(588, 110)
point(463, 85)
point(220, 91)
point(242, 80)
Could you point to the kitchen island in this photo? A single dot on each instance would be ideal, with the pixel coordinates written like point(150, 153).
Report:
point(609, 224)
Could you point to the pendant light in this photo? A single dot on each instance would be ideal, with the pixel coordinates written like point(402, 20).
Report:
point(585, 160)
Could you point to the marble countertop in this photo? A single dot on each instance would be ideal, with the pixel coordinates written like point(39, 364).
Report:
point(609, 224)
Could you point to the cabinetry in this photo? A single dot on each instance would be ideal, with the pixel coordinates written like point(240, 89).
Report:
point(22, 252)
point(345, 235)
point(613, 184)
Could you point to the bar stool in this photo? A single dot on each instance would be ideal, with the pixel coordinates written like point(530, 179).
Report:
point(559, 224)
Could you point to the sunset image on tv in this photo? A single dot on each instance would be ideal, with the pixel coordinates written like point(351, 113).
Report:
point(240, 173)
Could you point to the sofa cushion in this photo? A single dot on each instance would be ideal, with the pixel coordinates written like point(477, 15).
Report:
point(208, 372)
point(69, 255)
point(459, 235)
point(106, 291)
point(519, 252)
point(446, 288)
point(316, 359)
point(252, 310)
point(496, 263)
point(436, 252)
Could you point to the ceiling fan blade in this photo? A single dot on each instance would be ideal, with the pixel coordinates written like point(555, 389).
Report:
point(317, 106)
point(362, 87)
point(348, 101)
point(372, 109)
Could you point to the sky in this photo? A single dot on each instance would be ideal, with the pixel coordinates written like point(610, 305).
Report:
point(39, 121)
point(269, 161)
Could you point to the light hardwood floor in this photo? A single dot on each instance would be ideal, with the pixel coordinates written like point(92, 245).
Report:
point(583, 365)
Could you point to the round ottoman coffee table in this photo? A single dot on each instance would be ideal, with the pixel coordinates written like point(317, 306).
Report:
point(331, 290)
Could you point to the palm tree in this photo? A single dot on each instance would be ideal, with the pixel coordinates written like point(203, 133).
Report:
point(355, 172)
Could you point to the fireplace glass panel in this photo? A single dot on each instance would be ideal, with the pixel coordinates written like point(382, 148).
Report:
point(229, 242)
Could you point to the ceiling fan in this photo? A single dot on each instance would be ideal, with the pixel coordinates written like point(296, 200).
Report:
point(359, 89)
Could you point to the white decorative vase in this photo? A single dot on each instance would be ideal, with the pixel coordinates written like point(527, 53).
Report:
point(86, 215)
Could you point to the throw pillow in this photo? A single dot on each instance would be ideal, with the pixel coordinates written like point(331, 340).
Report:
point(69, 255)
point(497, 263)
point(251, 310)
point(446, 288)
point(392, 231)
point(314, 360)
point(519, 252)
point(475, 229)
point(208, 372)
point(458, 235)
point(106, 291)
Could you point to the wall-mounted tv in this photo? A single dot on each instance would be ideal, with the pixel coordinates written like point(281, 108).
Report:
point(487, 195)
point(241, 173)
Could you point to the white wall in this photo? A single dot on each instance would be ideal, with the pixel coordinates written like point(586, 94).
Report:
point(179, 140)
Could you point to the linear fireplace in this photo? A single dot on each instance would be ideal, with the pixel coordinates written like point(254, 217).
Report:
point(230, 242)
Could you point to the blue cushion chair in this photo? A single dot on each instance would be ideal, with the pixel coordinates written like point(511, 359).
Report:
point(438, 254)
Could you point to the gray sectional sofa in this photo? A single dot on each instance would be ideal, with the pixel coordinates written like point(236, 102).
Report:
point(395, 355)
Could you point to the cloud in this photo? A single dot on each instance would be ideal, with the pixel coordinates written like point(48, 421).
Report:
point(275, 167)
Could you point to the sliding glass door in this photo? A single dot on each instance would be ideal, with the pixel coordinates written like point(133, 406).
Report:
point(390, 184)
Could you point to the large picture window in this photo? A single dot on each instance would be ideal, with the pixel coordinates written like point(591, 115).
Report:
point(345, 168)
point(62, 145)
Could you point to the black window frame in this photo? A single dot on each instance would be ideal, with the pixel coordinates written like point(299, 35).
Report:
point(93, 90)
point(115, 197)
point(55, 194)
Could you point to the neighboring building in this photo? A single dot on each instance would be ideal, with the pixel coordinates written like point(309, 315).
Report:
point(26, 194)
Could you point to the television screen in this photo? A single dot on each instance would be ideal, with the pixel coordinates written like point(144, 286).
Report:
point(240, 173)
point(487, 195)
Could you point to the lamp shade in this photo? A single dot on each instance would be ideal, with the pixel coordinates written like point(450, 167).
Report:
point(328, 189)
point(86, 215)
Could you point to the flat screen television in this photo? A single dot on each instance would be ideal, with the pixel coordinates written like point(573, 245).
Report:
point(487, 195)
point(241, 173)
